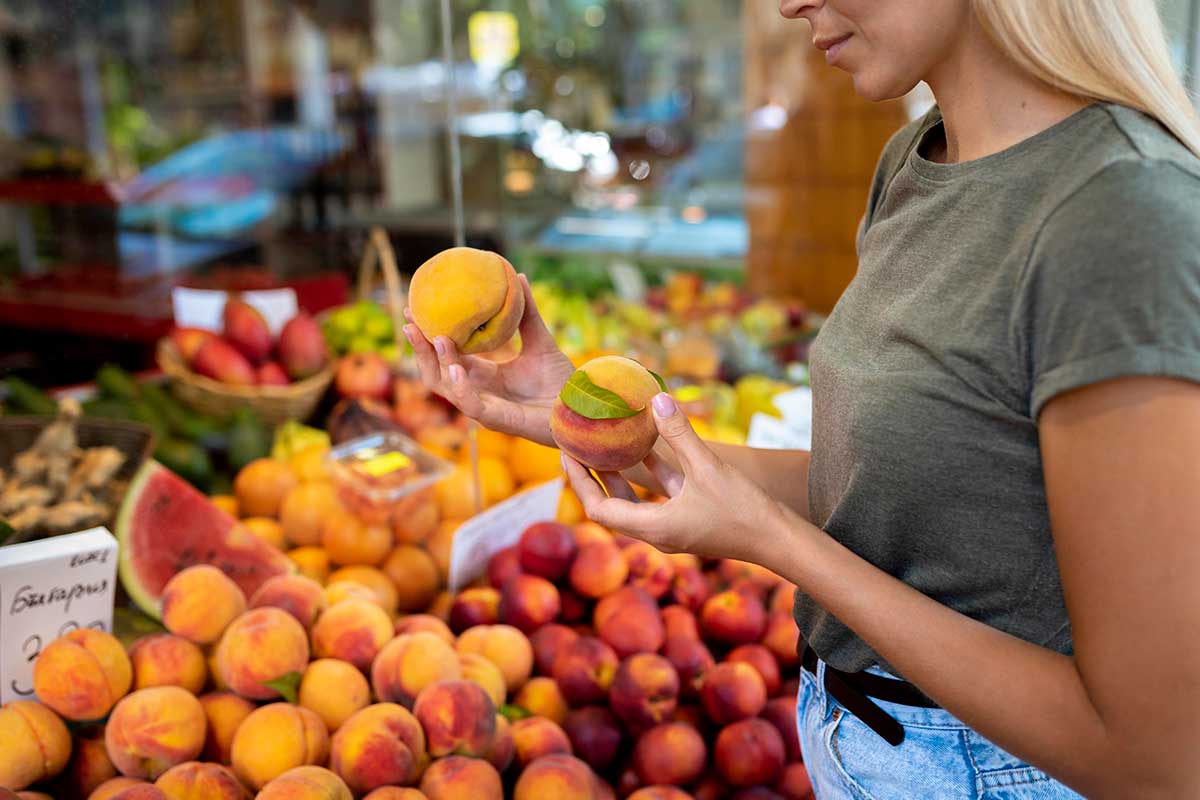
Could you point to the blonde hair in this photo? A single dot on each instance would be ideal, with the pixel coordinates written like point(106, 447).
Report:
point(1110, 50)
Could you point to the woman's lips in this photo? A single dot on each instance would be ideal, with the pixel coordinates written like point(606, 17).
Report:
point(832, 46)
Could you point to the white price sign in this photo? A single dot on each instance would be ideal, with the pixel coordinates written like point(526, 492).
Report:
point(202, 308)
point(484, 535)
point(49, 588)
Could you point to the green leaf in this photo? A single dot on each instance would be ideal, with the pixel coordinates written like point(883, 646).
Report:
point(513, 713)
point(662, 384)
point(288, 685)
point(589, 400)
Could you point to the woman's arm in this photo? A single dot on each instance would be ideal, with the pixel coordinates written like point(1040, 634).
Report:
point(1121, 718)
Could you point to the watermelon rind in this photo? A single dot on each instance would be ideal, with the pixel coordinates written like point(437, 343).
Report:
point(226, 544)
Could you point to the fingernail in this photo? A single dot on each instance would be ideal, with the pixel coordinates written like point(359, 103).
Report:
point(439, 344)
point(410, 333)
point(562, 459)
point(664, 405)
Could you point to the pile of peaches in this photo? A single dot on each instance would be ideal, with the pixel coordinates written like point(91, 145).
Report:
point(584, 666)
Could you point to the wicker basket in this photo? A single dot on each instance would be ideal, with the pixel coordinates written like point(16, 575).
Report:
point(274, 404)
point(133, 439)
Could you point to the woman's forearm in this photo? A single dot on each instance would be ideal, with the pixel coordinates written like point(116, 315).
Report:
point(1029, 700)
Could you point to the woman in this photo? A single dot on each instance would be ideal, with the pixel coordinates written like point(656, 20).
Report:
point(995, 537)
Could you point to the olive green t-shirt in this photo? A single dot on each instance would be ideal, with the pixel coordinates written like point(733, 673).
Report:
point(985, 289)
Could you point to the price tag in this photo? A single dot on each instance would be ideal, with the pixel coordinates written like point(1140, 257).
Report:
point(49, 588)
point(201, 308)
point(796, 406)
point(484, 535)
point(771, 433)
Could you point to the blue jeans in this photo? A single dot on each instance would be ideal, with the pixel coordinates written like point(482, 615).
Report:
point(940, 757)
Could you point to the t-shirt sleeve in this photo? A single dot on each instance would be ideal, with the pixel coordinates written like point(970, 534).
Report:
point(1112, 288)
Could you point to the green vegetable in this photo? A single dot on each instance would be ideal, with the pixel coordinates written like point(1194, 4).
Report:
point(107, 408)
point(117, 382)
point(187, 460)
point(144, 413)
point(24, 397)
point(594, 402)
point(180, 421)
point(248, 438)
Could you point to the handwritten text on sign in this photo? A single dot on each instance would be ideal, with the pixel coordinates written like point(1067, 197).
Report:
point(481, 537)
point(48, 588)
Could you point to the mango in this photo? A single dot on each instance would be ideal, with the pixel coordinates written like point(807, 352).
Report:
point(610, 444)
point(154, 729)
point(35, 744)
point(246, 329)
point(82, 675)
point(302, 348)
point(276, 738)
point(471, 296)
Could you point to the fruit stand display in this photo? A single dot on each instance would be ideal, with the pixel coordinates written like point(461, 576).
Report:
point(283, 641)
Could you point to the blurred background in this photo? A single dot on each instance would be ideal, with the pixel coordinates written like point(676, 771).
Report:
point(607, 146)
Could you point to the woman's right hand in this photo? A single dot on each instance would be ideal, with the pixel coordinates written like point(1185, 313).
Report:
point(514, 397)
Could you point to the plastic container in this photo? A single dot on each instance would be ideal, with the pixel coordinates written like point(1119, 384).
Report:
point(382, 475)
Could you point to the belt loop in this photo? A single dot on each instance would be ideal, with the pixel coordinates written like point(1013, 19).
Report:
point(820, 675)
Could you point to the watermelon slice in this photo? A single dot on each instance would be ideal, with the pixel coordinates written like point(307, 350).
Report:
point(164, 525)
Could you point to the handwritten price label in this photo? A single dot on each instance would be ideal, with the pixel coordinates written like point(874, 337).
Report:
point(49, 588)
point(482, 536)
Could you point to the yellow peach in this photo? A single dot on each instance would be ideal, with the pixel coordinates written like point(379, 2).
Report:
point(261, 645)
point(306, 783)
point(199, 602)
point(154, 729)
point(82, 674)
point(352, 630)
point(274, 739)
point(35, 744)
point(471, 296)
point(610, 444)
point(162, 659)
point(225, 712)
point(334, 690)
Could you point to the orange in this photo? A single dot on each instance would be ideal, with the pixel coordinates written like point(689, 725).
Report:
point(415, 575)
point(226, 502)
point(439, 545)
point(309, 463)
point(414, 522)
point(261, 486)
point(440, 607)
point(456, 492)
point(266, 529)
point(373, 579)
point(570, 510)
point(446, 441)
point(493, 444)
point(349, 540)
point(534, 463)
point(313, 562)
point(305, 510)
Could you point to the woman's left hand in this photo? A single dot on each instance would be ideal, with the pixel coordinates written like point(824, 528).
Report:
point(713, 510)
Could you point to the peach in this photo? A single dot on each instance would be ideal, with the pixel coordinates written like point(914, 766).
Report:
point(731, 691)
point(584, 670)
point(689, 588)
point(196, 781)
point(35, 744)
point(472, 297)
point(781, 712)
point(440, 607)
point(477, 605)
point(161, 659)
point(199, 602)
point(32, 796)
point(794, 783)
point(396, 793)
point(462, 778)
point(299, 596)
point(352, 630)
point(374, 579)
point(503, 751)
point(628, 782)
point(733, 618)
point(575, 609)
point(559, 776)
point(672, 753)
point(380, 745)
point(757, 793)
point(595, 735)
point(114, 786)
point(542, 698)
point(547, 549)
point(587, 532)
point(425, 622)
point(261, 645)
point(410, 663)
point(731, 570)
point(152, 730)
point(477, 669)
point(761, 659)
point(749, 752)
point(82, 674)
point(441, 542)
point(629, 621)
point(679, 621)
point(141, 791)
point(783, 598)
point(534, 737)
point(311, 561)
point(790, 688)
point(710, 787)
point(458, 717)
point(649, 569)
point(644, 691)
point(782, 637)
point(334, 690)
point(504, 646)
point(599, 569)
point(306, 783)
point(547, 641)
point(89, 765)
point(276, 738)
point(415, 521)
point(609, 444)
point(415, 575)
point(528, 602)
point(692, 661)
point(225, 712)
point(337, 591)
point(504, 565)
point(660, 793)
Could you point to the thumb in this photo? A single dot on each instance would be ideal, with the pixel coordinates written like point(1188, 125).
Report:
point(534, 333)
point(674, 427)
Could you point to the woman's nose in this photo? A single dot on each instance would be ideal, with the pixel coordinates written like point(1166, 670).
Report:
point(797, 9)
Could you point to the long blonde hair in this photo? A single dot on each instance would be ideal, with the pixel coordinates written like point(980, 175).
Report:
point(1110, 50)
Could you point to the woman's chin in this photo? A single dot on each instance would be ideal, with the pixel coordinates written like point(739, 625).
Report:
point(877, 88)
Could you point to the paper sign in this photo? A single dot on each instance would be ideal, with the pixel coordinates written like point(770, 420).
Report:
point(482, 536)
point(49, 588)
point(771, 433)
point(201, 308)
point(796, 406)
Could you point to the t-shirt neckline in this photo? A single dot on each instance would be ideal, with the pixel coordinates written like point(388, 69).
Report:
point(937, 171)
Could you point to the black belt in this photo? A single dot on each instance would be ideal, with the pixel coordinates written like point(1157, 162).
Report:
point(854, 690)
